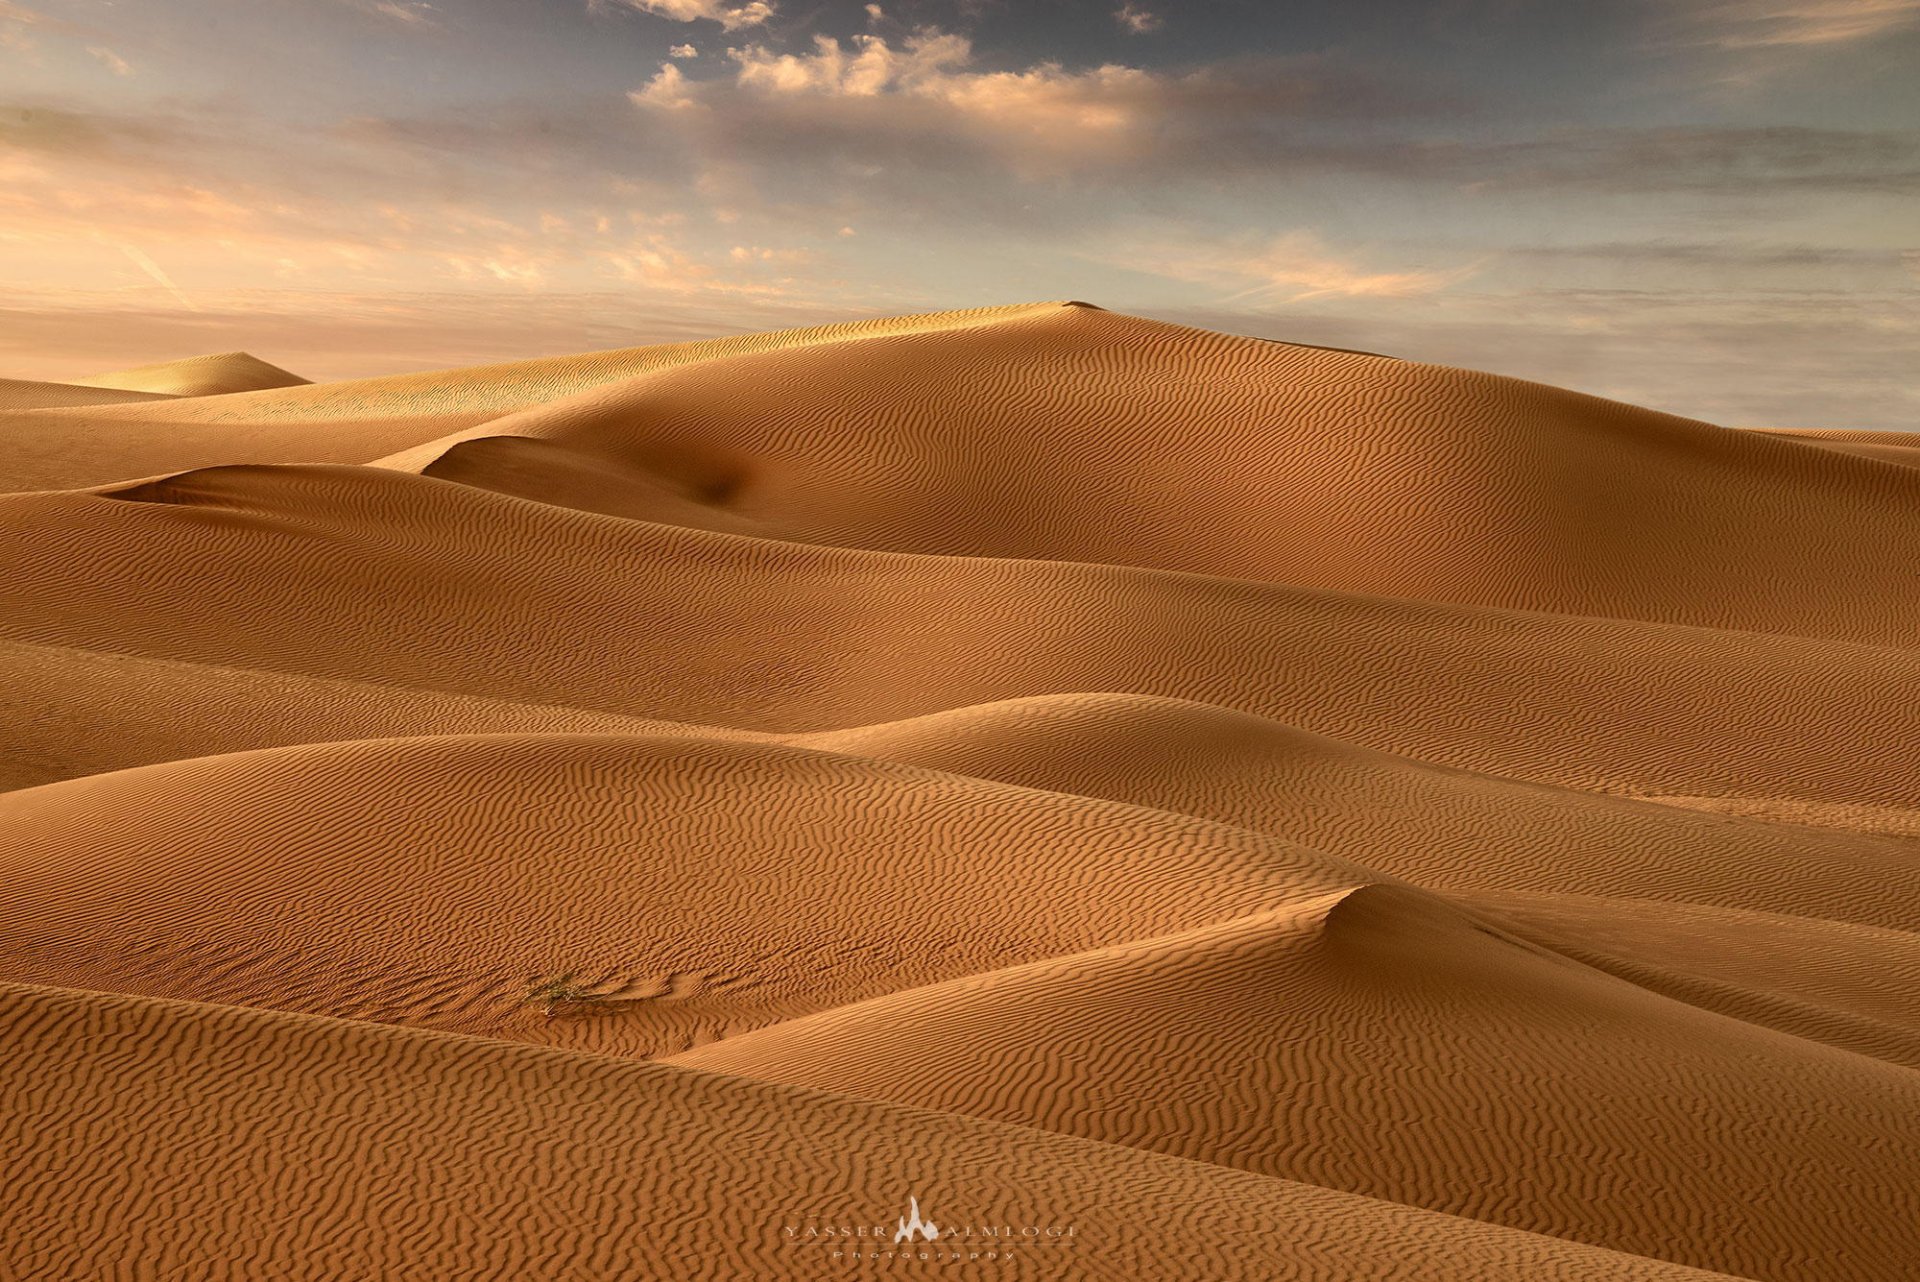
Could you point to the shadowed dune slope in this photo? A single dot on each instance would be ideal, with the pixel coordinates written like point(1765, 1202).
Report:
point(157, 1139)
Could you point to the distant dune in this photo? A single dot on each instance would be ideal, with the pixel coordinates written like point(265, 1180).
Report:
point(200, 376)
point(1274, 812)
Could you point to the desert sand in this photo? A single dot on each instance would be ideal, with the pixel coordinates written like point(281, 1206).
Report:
point(1276, 812)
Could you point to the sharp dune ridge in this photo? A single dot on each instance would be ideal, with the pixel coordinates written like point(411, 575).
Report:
point(1282, 812)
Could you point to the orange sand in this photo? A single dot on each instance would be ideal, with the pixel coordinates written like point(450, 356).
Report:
point(1286, 813)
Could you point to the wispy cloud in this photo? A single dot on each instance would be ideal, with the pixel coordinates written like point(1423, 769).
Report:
point(1137, 18)
point(1767, 24)
point(153, 269)
point(21, 16)
point(20, 25)
point(732, 15)
point(110, 60)
point(1296, 267)
point(407, 13)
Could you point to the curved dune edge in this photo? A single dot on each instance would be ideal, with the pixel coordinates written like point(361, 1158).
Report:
point(1296, 465)
point(204, 1140)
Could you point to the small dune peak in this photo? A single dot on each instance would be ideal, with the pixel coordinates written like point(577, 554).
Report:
point(219, 374)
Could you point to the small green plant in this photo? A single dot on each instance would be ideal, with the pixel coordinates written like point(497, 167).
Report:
point(560, 994)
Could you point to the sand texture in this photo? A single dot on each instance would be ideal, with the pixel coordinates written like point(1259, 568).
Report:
point(1282, 813)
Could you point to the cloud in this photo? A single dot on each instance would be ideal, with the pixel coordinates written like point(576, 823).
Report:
point(683, 51)
point(1769, 24)
point(153, 269)
point(20, 24)
point(730, 14)
point(1296, 267)
point(407, 13)
point(20, 15)
point(871, 102)
point(921, 66)
point(880, 99)
point(1137, 19)
point(871, 94)
point(1740, 161)
point(668, 91)
point(110, 60)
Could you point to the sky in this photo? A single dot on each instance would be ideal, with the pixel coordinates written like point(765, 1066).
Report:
point(1710, 207)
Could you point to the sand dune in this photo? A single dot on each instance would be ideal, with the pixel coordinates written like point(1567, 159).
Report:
point(219, 375)
point(359, 1152)
point(1290, 813)
point(369, 575)
point(1341, 1042)
point(361, 420)
point(498, 862)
